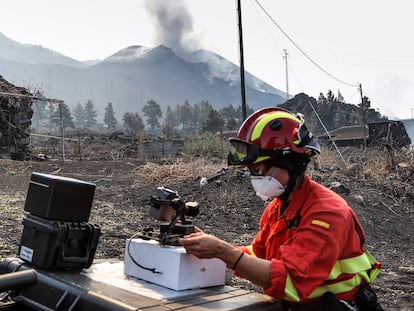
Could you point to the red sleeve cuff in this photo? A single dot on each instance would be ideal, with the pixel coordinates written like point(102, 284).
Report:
point(278, 276)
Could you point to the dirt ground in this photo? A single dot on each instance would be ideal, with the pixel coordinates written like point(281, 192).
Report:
point(229, 208)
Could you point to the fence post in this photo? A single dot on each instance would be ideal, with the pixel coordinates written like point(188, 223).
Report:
point(79, 148)
point(222, 143)
point(140, 144)
point(62, 139)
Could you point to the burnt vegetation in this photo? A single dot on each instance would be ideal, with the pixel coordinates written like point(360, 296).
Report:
point(374, 178)
point(381, 195)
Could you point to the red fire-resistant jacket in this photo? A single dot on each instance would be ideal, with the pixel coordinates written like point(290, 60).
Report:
point(308, 245)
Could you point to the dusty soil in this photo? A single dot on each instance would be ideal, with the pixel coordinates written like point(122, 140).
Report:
point(229, 208)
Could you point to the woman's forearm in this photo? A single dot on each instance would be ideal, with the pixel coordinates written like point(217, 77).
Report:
point(254, 269)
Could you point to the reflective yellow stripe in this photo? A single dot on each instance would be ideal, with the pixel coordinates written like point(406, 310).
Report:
point(258, 129)
point(250, 249)
point(353, 265)
point(290, 291)
point(340, 287)
point(362, 266)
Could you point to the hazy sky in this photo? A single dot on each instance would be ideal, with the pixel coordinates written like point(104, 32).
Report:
point(356, 42)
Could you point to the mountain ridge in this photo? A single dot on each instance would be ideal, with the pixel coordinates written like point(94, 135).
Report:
point(132, 76)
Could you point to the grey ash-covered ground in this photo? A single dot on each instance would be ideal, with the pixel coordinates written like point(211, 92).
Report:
point(228, 209)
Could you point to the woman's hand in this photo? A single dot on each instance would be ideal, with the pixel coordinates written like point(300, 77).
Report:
point(203, 245)
point(197, 229)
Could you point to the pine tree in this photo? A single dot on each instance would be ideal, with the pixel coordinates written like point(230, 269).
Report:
point(169, 123)
point(201, 111)
point(231, 124)
point(133, 122)
point(109, 118)
point(152, 111)
point(67, 119)
point(50, 112)
point(213, 123)
point(185, 115)
point(79, 116)
point(90, 114)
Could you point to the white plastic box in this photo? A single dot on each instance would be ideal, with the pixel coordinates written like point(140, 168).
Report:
point(172, 266)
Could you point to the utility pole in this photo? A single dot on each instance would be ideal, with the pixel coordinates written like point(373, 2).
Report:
point(285, 56)
point(242, 84)
point(363, 116)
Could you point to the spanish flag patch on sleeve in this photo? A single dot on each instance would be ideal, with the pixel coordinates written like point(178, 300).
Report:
point(320, 223)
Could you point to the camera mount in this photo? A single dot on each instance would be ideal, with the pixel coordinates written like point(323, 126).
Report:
point(168, 207)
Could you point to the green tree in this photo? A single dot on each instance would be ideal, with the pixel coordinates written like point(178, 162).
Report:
point(228, 112)
point(90, 114)
point(184, 115)
point(330, 96)
point(152, 112)
point(230, 117)
point(62, 110)
point(249, 111)
point(340, 98)
point(133, 122)
point(79, 116)
point(231, 124)
point(321, 99)
point(109, 118)
point(50, 112)
point(169, 123)
point(213, 123)
point(340, 118)
point(200, 114)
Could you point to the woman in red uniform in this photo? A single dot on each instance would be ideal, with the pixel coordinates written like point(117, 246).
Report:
point(309, 250)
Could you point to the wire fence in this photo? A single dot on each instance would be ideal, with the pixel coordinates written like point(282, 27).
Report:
point(103, 147)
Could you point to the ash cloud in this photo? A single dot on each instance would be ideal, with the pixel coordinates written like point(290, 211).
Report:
point(173, 24)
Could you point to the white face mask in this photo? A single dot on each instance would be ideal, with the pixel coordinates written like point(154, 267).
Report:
point(267, 187)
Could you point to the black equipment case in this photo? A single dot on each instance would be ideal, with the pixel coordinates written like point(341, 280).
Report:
point(59, 198)
point(55, 244)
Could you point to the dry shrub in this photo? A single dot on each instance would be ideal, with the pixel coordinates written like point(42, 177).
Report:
point(370, 163)
point(178, 170)
point(329, 158)
point(375, 166)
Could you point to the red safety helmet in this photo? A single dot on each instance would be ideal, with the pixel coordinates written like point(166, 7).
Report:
point(269, 133)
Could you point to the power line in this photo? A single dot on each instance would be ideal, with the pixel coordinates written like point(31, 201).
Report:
point(300, 50)
point(390, 113)
point(327, 132)
point(348, 99)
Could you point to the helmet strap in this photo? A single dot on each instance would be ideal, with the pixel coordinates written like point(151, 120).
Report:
point(290, 186)
point(295, 164)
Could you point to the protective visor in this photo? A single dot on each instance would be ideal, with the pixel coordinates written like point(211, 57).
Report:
point(244, 153)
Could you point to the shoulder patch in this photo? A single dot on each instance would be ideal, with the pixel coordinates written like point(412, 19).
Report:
point(321, 223)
